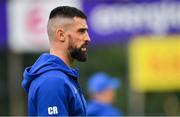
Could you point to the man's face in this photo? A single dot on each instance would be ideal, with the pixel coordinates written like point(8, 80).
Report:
point(110, 95)
point(78, 38)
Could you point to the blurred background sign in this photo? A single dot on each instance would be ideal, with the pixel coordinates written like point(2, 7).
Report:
point(3, 24)
point(28, 21)
point(155, 63)
point(112, 21)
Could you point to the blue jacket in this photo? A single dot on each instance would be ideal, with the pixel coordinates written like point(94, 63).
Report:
point(101, 109)
point(53, 88)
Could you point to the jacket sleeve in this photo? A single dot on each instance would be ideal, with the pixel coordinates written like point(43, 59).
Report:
point(51, 98)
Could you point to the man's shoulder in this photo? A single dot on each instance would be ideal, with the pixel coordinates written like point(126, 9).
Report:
point(54, 73)
point(51, 77)
point(48, 82)
point(111, 110)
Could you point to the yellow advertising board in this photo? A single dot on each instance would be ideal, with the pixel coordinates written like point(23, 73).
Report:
point(154, 64)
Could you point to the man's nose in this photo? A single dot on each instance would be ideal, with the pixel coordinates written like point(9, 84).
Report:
point(88, 38)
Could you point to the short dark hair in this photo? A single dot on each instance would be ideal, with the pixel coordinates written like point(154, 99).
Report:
point(66, 11)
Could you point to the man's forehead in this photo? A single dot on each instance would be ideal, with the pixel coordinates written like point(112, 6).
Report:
point(80, 22)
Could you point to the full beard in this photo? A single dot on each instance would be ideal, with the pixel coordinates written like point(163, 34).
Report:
point(77, 53)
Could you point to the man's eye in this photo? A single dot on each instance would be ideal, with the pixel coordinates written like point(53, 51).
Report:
point(82, 30)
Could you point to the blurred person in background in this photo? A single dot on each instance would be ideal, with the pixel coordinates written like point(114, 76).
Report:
point(101, 88)
point(52, 85)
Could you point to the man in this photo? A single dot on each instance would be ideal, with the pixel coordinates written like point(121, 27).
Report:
point(51, 83)
point(101, 88)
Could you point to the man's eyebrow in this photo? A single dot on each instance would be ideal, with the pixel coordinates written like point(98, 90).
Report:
point(83, 29)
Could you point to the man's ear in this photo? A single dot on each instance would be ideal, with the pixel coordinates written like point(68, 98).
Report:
point(60, 34)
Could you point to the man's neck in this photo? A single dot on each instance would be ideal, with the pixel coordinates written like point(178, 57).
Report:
point(64, 56)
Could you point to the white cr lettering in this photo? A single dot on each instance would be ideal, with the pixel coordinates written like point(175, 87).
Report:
point(52, 110)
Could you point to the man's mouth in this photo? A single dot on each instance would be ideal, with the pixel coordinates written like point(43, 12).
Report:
point(84, 48)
